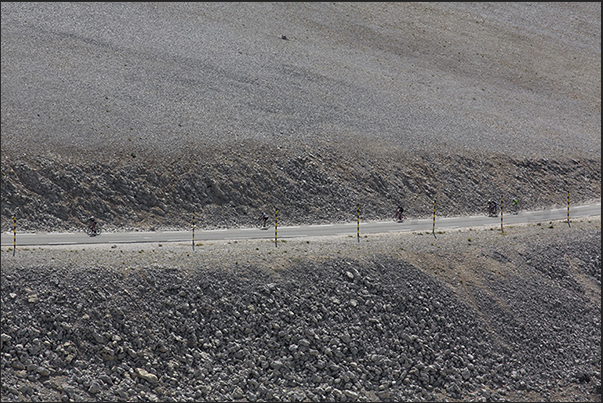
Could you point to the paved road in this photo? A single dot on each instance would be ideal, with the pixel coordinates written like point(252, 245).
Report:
point(441, 223)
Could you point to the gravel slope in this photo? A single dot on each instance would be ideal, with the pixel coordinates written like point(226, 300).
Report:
point(472, 315)
point(407, 73)
point(141, 113)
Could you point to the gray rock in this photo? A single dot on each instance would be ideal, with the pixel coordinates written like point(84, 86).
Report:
point(98, 337)
point(237, 393)
point(147, 376)
point(94, 387)
point(43, 371)
point(106, 379)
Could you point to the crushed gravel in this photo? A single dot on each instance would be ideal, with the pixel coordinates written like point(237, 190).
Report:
point(472, 315)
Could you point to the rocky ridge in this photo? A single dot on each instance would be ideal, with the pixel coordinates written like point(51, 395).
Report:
point(308, 185)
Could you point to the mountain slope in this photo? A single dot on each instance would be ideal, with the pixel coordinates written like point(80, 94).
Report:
point(131, 112)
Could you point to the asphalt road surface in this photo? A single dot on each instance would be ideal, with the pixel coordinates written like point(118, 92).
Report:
point(409, 224)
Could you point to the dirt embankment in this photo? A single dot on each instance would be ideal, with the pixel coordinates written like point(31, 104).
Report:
point(307, 185)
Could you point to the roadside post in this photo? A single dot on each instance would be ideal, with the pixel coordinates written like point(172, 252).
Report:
point(358, 222)
point(568, 220)
point(433, 225)
point(501, 214)
point(193, 230)
point(14, 234)
point(275, 227)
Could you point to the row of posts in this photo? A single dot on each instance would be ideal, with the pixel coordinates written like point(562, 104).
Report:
point(357, 223)
point(358, 220)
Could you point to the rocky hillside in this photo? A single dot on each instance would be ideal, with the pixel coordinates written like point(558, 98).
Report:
point(311, 186)
point(474, 315)
point(142, 113)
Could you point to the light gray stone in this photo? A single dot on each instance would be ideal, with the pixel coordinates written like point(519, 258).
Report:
point(94, 387)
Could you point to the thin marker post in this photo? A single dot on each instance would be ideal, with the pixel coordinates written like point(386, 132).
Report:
point(433, 225)
point(501, 214)
point(275, 227)
point(193, 230)
point(568, 220)
point(14, 234)
point(358, 222)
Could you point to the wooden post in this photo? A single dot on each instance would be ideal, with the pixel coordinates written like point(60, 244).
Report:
point(275, 227)
point(193, 230)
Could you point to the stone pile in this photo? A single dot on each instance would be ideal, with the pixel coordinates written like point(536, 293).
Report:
point(331, 330)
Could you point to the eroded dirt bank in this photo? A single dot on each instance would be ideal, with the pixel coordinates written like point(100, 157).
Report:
point(307, 185)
